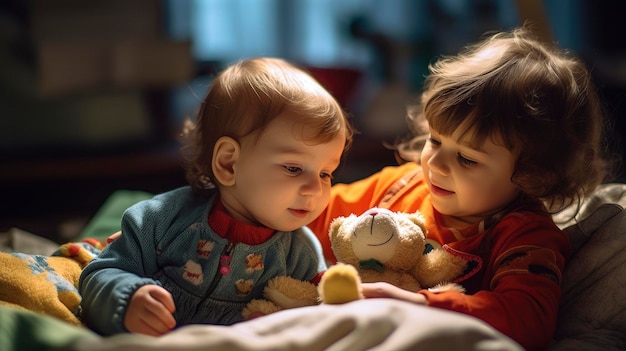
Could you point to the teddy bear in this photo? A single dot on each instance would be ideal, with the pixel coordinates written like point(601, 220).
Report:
point(384, 246)
point(377, 245)
point(282, 292)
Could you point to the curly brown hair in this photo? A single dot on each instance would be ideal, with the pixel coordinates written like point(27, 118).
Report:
point(533, 98)
point(246, 97)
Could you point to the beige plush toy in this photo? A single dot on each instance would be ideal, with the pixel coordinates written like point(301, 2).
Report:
point(378, 245)
point(281, 293)
point(381, 245)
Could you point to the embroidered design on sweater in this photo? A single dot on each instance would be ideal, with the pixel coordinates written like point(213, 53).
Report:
point(204, 249)
point(192, 272)
point(244, 286)
point(254, 262)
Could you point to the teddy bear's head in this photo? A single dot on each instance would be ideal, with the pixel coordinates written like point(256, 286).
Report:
point(379, 237)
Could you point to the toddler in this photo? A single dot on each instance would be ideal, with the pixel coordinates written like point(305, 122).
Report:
point(513, 130)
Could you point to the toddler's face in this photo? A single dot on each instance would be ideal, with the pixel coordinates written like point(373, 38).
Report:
point(283, 181)
point(467, 184)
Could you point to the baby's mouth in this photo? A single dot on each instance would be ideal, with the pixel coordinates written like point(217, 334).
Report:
point(298, 212)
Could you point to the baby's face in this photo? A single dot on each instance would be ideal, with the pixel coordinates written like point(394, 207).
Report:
point(467, 183)
point(282, 181)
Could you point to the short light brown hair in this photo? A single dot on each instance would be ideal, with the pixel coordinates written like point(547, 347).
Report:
point(535, 99)
point(245, 98)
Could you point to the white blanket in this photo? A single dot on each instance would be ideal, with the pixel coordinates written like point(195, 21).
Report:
point(374, 324)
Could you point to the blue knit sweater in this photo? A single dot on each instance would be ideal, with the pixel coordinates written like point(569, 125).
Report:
point(167, 241)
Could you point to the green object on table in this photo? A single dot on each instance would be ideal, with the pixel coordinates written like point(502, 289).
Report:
point(107, 220)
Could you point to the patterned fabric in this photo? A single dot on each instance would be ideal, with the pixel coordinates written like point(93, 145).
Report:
point(46, 284)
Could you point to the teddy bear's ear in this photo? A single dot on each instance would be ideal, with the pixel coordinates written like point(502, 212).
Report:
point(334, 226)
point(344, 223)
point(340, 233)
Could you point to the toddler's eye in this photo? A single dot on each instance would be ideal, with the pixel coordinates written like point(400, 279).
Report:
point(434, 141)
point(293, 170)
point(465, 161)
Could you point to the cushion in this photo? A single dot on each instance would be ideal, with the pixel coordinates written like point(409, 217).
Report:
point(592, 313)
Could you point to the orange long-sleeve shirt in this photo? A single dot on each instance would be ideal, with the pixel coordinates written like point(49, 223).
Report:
point(515, 264)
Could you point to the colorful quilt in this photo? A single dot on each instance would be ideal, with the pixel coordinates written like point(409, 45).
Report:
point(46, 284)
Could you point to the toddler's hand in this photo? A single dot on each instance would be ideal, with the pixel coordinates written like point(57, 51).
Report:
point(381, 289)
point(150, 311)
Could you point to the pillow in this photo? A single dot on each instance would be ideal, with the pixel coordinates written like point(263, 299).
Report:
point(592, 313)
point(609, 193)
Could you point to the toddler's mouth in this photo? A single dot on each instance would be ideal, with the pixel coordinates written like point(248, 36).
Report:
point(439, 191)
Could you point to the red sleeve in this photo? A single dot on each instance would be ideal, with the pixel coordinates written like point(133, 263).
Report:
point(521, 286)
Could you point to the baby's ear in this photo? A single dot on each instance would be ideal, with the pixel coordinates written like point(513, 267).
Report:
point(225, 154)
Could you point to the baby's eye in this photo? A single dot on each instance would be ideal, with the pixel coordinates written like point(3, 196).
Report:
point(293, 170)
point(465, 161)
point(326, 176)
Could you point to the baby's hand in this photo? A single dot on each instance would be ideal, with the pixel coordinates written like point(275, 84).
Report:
point(150, 311)
point(114, 236)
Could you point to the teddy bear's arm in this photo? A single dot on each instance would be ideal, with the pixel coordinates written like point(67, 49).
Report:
point(438, 266)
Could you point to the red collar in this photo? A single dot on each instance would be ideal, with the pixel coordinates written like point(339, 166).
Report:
point(235, 231)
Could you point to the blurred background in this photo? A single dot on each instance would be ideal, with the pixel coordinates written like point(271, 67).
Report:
point(93, 93)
